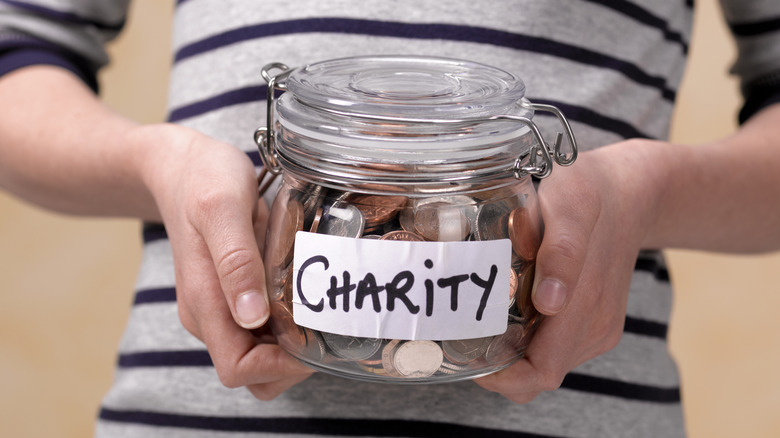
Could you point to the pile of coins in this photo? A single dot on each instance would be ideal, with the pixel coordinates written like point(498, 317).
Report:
point(508, 212)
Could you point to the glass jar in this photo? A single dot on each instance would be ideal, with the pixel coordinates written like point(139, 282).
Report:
point(402, 240)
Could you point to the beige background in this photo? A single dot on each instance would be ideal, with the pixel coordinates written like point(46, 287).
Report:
point(66, 283)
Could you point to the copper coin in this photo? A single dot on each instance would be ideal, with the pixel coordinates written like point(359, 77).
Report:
point(513, 281)
point(524, 233)
point(284, 223)
point(523, 297)
point(378, 209)
point(315, 222)
point(388, 358)
point(290, 336)
point(402, 235)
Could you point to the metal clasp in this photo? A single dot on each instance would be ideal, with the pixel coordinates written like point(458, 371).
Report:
point(563, 159)
point(264, 137)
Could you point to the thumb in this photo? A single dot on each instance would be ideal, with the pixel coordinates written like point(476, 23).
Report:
point(560, 259)
point(236, 256)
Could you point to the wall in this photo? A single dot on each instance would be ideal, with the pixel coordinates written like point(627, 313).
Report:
point(66, 283)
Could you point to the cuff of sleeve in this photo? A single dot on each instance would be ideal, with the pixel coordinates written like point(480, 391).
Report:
point(759, 95)
point(15, 59)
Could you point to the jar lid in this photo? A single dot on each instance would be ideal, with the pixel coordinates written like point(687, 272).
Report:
point(402, 121)
point(407, 87)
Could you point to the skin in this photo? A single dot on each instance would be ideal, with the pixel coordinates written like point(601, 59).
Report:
point(64, 150)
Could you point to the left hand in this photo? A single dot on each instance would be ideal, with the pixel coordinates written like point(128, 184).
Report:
point(596, 214)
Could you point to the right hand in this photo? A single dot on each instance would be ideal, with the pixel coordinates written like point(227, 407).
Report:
point(206, 193)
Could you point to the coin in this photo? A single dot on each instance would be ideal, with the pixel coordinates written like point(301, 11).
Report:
point(288, 333)
point(464, 351)
point(466, 204)
point(440, 221)
point(377, 209)
point(512, 284)
point(351, 347)
point(507, 346)
point(523, 297)
point(344, 220)
point(406, 220)
point(402, 235)
point(418, 359)
point(315, 346)
point(524, 233)
point(315, 222)
point(388, 358)
point(492, 221)
point(284, 223)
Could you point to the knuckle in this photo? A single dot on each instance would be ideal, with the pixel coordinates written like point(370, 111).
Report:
point(551, 381)
point(565, 248)
point(228, 376)
point(235, 265)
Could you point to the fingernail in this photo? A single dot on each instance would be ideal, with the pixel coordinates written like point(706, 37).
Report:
point(251, 309)
point(550, 296)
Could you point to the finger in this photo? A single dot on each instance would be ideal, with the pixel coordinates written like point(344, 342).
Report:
point(569, 221)
point(271, 390)
point(231, 232)
point(241, 357)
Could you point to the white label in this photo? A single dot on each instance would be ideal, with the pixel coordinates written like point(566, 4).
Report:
point(399, 289)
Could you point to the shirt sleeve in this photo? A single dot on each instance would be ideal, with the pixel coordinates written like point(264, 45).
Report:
point(68, 34)
point(755, 25)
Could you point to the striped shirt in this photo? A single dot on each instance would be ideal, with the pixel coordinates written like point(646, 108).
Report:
point(613, 67)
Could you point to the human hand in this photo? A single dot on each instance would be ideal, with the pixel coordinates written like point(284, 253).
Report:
point(206, 192)
point(596, 214)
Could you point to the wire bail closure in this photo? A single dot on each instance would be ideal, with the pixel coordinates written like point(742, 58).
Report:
point(265, 137)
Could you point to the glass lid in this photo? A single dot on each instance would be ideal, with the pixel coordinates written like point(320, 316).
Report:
point(407, 87)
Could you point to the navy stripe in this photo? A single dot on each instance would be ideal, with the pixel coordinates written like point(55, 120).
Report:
point(645, 327)
point(429, 31)
point(312, 426)
point(157, 295)
point(596, 120)
point(68, 17)
point(257, 93)
point(645, 17)
point(152, 232)
point(617, 388)
point(658, 270)
point(755, 28)
point(183, 358)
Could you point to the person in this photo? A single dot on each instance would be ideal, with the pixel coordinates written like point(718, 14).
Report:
point(197, 357)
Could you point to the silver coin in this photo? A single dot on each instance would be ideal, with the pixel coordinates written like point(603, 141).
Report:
point(440, 221)
point(343, 220)
point(466, 204)
point(351, 347)
point(506, 347)
point(315, 347)
point(464, 351)
point(418, 359)
point(493, 221)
